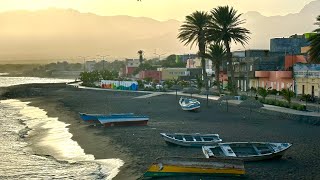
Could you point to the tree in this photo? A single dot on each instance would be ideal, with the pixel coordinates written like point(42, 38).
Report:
point(287, 94)
point(315, 44)
point(224, 28)
point(140, 52)
point(194, 31)
point(263, 92)
point(216, 53)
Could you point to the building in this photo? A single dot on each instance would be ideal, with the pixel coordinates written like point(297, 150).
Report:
point(273, 79)
point(173, 73)
point(307, 79)
point(246, 62)
point(291, 45)
point(290, 60)
point(90, 65)
point(155, 75)
point(131, 66)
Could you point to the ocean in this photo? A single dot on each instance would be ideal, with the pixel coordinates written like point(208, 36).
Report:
point(35, 146)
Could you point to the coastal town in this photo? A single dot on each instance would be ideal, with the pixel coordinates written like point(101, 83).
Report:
point(225, 109)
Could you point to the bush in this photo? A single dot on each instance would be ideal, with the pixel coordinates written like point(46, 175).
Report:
point(243, 97)
point(302, 108)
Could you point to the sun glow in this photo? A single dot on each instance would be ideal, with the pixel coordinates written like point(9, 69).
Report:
point(157, 9)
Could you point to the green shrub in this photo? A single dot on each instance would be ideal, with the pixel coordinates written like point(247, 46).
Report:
point(302, 108)
point(243, 97)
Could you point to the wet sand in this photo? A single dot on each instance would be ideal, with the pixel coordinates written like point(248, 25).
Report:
point(138, 147)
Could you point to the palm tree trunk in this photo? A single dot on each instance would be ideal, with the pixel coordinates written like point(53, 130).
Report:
point(202, 51)
point(217, 71)
point(230, 68)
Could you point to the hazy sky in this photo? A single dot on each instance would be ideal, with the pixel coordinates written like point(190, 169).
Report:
point(157, 9)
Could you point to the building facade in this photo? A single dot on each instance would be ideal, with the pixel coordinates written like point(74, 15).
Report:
point(307, 79)
point(154, 75)
point(291, 45)
point(173, 73)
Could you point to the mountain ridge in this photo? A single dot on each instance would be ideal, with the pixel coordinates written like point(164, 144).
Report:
point(67, 33)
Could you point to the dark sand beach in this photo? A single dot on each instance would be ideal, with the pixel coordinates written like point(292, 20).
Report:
point(138, 147)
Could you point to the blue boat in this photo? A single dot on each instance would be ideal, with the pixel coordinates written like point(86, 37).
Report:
point(94, 117)
point(189, 104)
point(123, 119)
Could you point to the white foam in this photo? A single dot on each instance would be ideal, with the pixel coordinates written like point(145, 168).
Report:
point(52, 137)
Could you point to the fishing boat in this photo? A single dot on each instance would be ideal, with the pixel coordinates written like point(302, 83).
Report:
point(191, 140)
point(189, 104)
point(247, 151)
point(93, 118)
point(178, 166)
point(123, 120)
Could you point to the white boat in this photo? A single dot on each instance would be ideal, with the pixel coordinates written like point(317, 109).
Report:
point(189, 104)
point(191, 140)
point(247, 151)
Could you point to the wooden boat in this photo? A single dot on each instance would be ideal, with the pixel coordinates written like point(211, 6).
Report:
point(178, 166)
point(123, 120)
point(189, 104)
point(93, 118)
point(191, 140)
point(247, 151)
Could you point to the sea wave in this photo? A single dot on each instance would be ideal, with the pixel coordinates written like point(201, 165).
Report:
point(37, 146)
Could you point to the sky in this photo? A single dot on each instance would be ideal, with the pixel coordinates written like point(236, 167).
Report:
point(157, 9)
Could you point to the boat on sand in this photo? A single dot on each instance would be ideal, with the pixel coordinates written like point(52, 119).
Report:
point(191, 140)
point(247, 151)
point(122, 119)
point(179, 166)
point(189, 104)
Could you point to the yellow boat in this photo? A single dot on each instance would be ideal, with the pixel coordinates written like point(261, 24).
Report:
point(178, 166)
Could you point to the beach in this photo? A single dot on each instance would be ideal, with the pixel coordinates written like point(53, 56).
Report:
point(138, 147)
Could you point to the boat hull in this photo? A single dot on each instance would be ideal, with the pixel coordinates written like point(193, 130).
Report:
point(186, 143)
point(195, 166)
point(276, 154)
point(126, 123)
point(191, 105)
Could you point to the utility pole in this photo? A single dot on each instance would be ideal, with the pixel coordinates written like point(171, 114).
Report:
point(102, 56)
point(84, 62)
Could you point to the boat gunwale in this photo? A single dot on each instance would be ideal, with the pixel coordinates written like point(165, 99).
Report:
point(217, 135)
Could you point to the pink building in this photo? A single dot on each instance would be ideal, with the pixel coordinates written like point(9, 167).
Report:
point(155, 75)
point(273, 79)
point(290, 60)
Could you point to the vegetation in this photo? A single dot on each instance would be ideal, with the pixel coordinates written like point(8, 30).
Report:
point(143, 67)
point(285, 104)
point(225, 27)
point(90, 78)
point(287, 95)
point(315, 44)
point(216, 53)
point(172, 61)
point(140, 52)
point(263, 92)
point(194, 31)
point(110, 66)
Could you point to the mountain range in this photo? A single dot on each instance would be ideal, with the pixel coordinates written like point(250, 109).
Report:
point(65, 34)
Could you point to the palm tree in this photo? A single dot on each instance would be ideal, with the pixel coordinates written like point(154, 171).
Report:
point(315, 45)
point(216, 53)
point(194, 31)
point(140, 52)
point(225, 27)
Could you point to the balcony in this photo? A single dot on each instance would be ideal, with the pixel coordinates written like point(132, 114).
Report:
point(284, 74)
point(262, 74)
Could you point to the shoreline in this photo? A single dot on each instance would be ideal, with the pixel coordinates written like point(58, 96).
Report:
point(138, 147)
